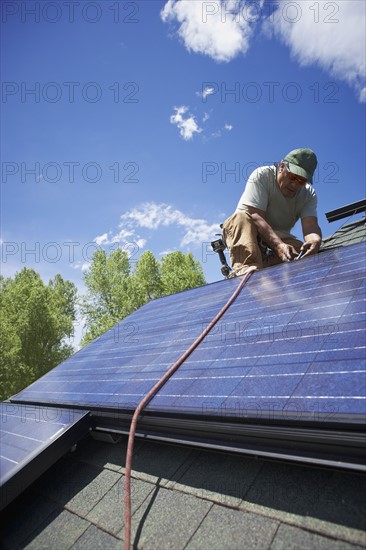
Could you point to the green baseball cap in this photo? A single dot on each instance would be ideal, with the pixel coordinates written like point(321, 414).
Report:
point(302, 162)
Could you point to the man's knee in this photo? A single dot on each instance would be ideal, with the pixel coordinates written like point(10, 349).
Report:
point(240, 216)
point(237, 224)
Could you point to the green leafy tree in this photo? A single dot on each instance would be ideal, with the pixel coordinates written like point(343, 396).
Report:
point(113, 291)
point(36, 321)
point(180, 272)
point(146, 282)
point(108, 298)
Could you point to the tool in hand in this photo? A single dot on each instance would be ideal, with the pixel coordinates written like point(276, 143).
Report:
point(302, 252)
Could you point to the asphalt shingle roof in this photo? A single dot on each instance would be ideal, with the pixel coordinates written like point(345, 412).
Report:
point(352, 233)
point(186, 498)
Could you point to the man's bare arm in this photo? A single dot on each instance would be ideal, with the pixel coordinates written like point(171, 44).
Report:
point(312, 235)
point(284, 251)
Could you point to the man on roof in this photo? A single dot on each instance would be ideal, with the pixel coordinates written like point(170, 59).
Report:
point(275, 198)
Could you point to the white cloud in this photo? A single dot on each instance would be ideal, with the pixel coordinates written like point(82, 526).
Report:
point(126, 238)
point(206, 116)
point(141, 242)
point(329, 34)
point(217, 28)
point(216, 134)
point(187, 126)
point(123, 236)
point(102, 239)
point(152, 216)
point(208, 90)
point(84, 266)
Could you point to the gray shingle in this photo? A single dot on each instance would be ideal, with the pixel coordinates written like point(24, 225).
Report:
point(292, 538)
point(167, 520)
point(104, 455)
point(60, 533)
point(109, 512)
point(321, 500)
point(221, 477)
point(226, 529)
point(25, 516)
point(79, 486)
point(343, 500)
point(96, 539)
point(346, 235)
point(159, 461)
point(291, 488)
point(89, 495)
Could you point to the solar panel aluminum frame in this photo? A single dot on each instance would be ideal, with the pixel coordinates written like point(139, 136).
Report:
point(38, 461)
point(339, 447)
point(345, 211)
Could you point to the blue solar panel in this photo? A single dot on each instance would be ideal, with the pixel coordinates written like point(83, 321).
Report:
point(118, 369)
point(292, 347)
point(31, 439)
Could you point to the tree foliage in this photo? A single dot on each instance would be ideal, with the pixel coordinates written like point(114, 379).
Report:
point(146, 281)
point(180, 272)
point(107, 299)
point(113, 291)
point(36, 320)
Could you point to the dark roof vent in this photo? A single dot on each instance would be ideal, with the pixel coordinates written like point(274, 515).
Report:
point(345, 211)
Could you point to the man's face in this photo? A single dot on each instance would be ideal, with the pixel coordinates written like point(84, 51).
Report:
point(289, 183)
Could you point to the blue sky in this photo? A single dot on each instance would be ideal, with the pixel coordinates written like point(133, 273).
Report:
point(136, 124)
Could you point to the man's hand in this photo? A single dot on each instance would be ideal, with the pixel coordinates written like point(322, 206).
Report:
point(312, 235)
point(286, 252)
point(311, 247)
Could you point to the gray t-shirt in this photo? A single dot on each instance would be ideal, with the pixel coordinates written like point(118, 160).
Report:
point(262, 192)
